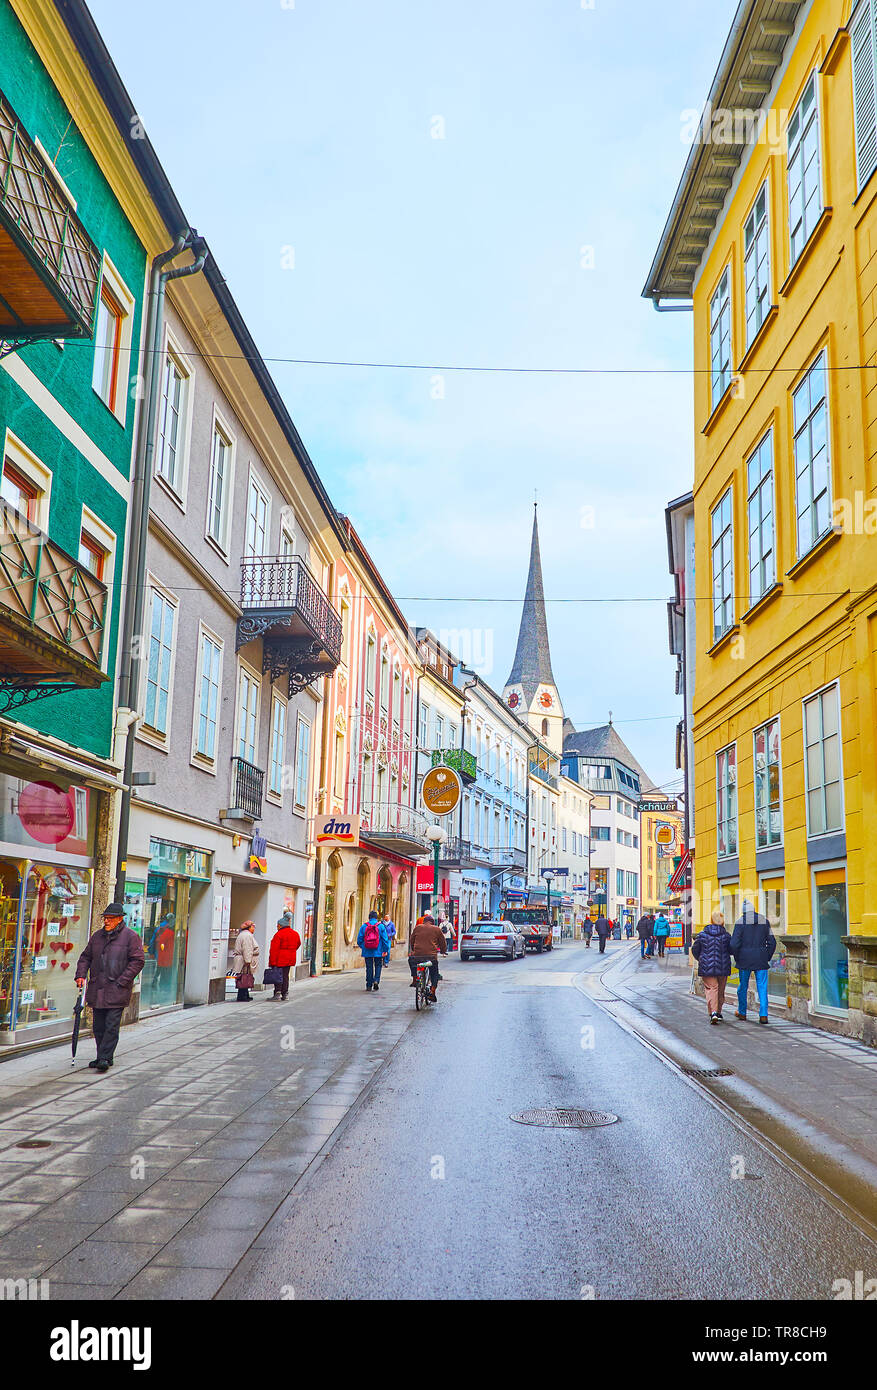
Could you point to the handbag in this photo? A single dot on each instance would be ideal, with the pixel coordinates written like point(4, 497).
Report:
point(273, 975)
point(245, 980)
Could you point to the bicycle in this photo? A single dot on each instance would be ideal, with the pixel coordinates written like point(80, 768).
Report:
point(423, 985)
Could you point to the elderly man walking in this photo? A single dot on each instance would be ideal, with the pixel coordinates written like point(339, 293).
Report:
point(112, 960)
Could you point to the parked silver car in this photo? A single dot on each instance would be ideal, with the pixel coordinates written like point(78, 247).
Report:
point(492, 939)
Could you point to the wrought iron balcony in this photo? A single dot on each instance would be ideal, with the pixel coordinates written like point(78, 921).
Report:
point(460, 760)
point(509, 857)
point(284, 605)
point(395, 827)
point(456, 853)
point(52, 612)
point(247, 782)
point(49, 267)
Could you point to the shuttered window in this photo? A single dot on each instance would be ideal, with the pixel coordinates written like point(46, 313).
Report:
point(863, 27)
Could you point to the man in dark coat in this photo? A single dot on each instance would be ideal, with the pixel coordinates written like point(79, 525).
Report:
point(752, 946)
point(112, 959)
point(604, 927)
point(644, 932)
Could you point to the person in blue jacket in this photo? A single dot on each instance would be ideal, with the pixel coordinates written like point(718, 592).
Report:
point(374, 946)
point(752, 946)
point(662, 931)
point(711, 949)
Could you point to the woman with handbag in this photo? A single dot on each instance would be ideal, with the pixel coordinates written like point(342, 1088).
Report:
point(246, 958)
point(281, 957)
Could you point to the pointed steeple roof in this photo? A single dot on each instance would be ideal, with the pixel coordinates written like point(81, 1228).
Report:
point(532, 664)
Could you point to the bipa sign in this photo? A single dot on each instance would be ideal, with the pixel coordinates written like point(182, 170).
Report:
point(336, 830)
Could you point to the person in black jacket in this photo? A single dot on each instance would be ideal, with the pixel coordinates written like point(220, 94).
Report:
point(604, 927)
point(752, 946)
point(711, 949)
point(644, 932)
point(112, 960)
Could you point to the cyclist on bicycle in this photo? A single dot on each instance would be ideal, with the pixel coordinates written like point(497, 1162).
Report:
point(424, 944)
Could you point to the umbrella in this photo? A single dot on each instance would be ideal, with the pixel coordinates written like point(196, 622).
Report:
point(77, 1020)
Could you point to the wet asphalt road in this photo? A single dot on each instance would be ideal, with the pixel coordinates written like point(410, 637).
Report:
point(431, 1191)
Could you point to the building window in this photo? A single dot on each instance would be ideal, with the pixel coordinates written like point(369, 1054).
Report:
point(339, 767)
point(619, 883)
point(385, 681)
point(248, 715)
point(768, 803)
point(805, 190)
point(107, 348)
point(563, 838)
point(822, 762)
point(439, 731)
point(258, 509)
point(287, 550)
point(756, 243)
point(762, 559)
point(209, 678)
point(726, 800)
point(219, 487)
point(20, 493)
point(172, 425)
point(723, 566)
point(92, 555)
point(302, 762)
point(720, 337)
point(159, 662)
point(424, 729)
point(370, 666)
point(812, 477)
point(278, 745)
point(863, 28)
point(599, 832)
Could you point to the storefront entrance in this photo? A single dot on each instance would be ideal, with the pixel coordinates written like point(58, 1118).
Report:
point(177, 873)
point(832, 962)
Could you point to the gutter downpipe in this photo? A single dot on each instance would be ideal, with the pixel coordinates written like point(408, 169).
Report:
point(129, 675)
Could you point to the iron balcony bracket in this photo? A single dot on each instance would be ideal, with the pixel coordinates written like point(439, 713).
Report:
point(15, 693)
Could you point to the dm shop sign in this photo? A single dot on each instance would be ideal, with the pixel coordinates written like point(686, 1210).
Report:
point(336, 830)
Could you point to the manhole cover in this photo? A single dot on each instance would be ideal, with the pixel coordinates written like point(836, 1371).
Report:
point(564, 1119)
point(707, 1071)
point(34, 1144)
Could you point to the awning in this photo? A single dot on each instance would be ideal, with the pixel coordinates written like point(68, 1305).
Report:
point(679, 879)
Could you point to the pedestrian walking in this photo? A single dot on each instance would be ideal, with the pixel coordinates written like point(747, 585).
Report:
point(390, 928)
point(282, 953)
point(644, 932)
point(711, 949)
point(752, 946)
point(661, 931)
point(112, 960)
point(628, 928)
point(374, 946)
point(246, 959)
point(653, 940)
point(588, 930)
point(604, 926)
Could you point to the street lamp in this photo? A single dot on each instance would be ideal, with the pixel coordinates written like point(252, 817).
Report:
point(548, 875)
point(437, 836)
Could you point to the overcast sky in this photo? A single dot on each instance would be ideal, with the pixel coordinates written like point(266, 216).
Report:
point(474, 183)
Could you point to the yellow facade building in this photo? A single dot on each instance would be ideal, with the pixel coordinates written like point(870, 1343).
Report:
point(772, 242)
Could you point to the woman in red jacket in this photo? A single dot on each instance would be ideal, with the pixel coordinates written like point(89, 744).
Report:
point(284, 946)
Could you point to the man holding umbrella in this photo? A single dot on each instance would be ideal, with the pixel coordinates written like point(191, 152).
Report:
point(112, 959)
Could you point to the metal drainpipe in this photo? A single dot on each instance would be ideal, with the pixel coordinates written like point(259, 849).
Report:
point(129, 676)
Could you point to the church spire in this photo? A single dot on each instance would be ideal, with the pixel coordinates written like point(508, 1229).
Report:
point(531, 667)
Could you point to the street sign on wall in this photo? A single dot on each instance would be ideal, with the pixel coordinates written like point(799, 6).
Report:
point(441, 791)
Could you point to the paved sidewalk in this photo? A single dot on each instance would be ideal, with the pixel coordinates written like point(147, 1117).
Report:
point(825, 1085)
point(161, 1174)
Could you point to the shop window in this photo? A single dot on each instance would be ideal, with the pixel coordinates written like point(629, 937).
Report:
point(832, 959)
point(45, 943)
point(165, 929)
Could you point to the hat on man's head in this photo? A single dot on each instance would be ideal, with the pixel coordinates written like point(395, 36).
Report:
point(428, 917)
point(114, 910)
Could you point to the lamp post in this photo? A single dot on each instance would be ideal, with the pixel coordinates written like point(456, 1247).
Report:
point(437, 836)
point(548, 875)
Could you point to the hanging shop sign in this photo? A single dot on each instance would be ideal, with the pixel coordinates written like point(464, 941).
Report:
point(179, 860)
point(46, 812)
point(441, 791)
point(336, 830)
point(424, 878)
point(258, 860)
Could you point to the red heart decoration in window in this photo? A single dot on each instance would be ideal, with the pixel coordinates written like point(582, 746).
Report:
point(65, 965)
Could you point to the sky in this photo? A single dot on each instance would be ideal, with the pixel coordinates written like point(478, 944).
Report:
point(461, 183)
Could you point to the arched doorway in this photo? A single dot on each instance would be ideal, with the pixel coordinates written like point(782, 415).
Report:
point(384, 897)
point(329, 907)
point(362, 891)
point(400, 907)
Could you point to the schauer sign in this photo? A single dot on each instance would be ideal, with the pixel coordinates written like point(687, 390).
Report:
point(441, 791)
point(658, 806)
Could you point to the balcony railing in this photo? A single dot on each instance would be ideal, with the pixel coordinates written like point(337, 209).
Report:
point(544, 776)
point(283, 604)
point(509, 857)
point(52, 611)
point(49, 267)
point(456, 853)
point(396, 827)
point(460, 759)
point(246, 790)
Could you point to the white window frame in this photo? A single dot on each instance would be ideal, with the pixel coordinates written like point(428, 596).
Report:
point(300, 807)
point(798, 435)
point(220, 426)
point(839, 829)
point(245, 669)
point(255, 484)
point(757, 280)
point(724, 814)
point(25, 461)
point(721, 337)
point(145, 732)
point(723, 593)
point(765, 729)
point(272, 793)
point(764, 560)
point(862, 29)
point(106, 539)
point(127, 304)
point(794, 153)
point(204, 761)
point(178, 489)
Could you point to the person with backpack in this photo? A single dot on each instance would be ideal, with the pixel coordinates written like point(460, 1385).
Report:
point(662, 931)
point(752, 946)
point(711, 949)
point(374, 946)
